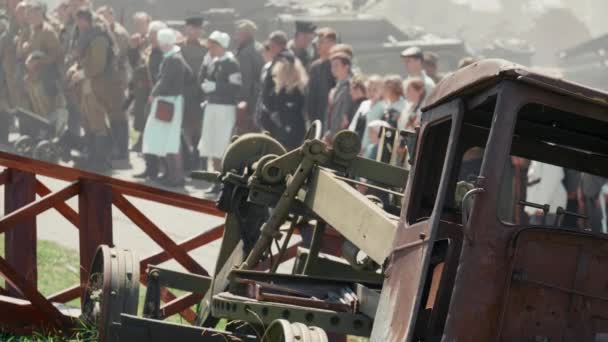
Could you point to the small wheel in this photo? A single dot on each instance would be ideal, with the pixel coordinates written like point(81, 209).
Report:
point(47, 151)
point(25, 146)
point(112, 289)
point(248, 149)
point(284, 331)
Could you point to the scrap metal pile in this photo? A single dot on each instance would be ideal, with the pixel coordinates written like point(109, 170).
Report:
point(270, 196)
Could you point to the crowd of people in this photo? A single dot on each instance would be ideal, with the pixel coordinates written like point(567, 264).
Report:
point(182, 95)
point(186, 93)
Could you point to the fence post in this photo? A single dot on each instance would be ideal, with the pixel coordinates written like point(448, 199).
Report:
point(20, 240)
point(95, 210)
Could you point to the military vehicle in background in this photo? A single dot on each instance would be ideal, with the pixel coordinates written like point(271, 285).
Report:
point(587, 62)
point(512, 49)
point(376, 41)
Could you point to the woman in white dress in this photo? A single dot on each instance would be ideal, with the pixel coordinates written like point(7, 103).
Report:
point(162, 134)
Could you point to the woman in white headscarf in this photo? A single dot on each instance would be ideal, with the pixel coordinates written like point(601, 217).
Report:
point(162, 135)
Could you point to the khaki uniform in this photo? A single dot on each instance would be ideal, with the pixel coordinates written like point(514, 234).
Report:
point(42, 84)
point(13, 64)
point(104, 82)
point(194, 53)
point(121, 38)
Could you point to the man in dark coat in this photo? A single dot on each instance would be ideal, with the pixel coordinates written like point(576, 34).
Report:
point(301, 45)
point(194, 51)
point(321, 79)
point(250, 59)
point(341, 103)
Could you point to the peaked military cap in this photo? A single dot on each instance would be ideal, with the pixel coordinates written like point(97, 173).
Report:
point(305, 27)
point(195, 21)
point(414, 52)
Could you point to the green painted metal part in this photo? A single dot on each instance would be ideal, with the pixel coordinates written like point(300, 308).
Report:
point(245, 309)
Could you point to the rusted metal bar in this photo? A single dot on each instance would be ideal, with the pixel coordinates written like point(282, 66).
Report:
point(3, 176)
point(122, 186)
point(289, 254)
point(167, 297)
point(187, 245)
point(156, 234)
point(180, 304)
point(65, 210)
point(95, 209)
point(54, 316)
point(20, 242)
point(35, 208)
point(66, 295)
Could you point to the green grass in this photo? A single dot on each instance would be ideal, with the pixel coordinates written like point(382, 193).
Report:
point(58, 269)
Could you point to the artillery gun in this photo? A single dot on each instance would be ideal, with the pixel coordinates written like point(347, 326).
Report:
point(456, 247)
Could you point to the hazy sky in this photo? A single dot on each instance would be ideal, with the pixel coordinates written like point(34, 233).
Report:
point(492, 5)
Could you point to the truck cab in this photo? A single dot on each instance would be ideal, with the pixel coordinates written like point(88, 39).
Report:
point(475, 258)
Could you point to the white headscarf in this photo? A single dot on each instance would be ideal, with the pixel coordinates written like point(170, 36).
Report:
point(156, 26)
point(166, 37)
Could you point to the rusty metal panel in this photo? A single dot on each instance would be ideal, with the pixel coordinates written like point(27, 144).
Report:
point(492, 71)
point(558, 287)
point(402, 294)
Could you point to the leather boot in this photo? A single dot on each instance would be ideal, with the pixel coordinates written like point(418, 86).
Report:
point(102, 154)
point(120, 145)
point(151, 171)
point(175, 171)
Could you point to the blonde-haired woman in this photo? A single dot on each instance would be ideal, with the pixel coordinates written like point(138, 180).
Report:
point(285, 116)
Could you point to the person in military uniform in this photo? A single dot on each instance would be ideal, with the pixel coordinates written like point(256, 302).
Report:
point(119, 123)
point(249, 55)
point(121, 36)
point(14, 59)
point(194, 50)
point(301, 44)
point(321, 80)
point(431, 66)
point(221, 81)
point(43, 64)
point(413, 59)
point(96, 60)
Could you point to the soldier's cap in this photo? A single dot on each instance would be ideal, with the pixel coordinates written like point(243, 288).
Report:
point(195, 21)
point(343, 57)
point(221, 38)
point(305, 27)
point(413, 52)
point(246, 26)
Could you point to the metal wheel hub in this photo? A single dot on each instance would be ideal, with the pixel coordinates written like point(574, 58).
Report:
point(112, 289)
point(284, 331)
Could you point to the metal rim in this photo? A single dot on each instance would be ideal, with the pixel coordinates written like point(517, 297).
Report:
point(112, 289)
point(24, 145)
point(284, 331)
point(46, 151)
